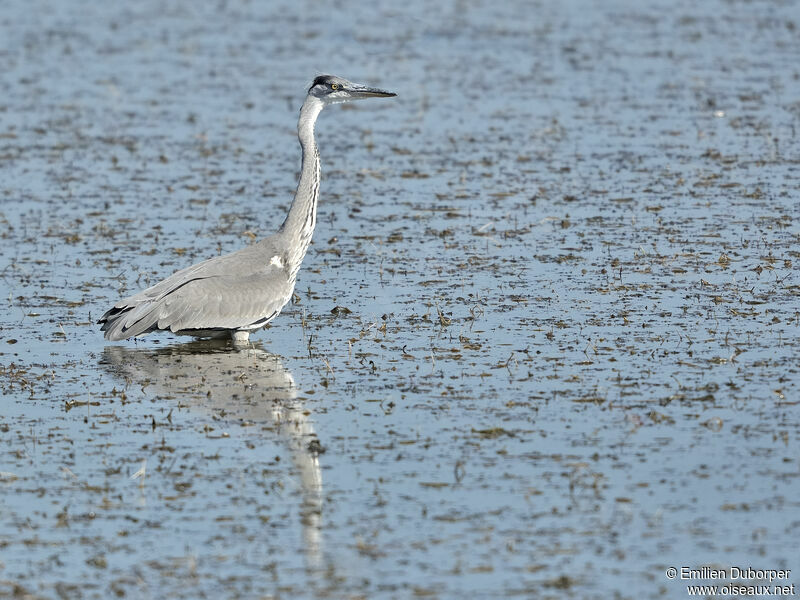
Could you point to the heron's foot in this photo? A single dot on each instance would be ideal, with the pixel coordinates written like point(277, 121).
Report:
point(240, 337)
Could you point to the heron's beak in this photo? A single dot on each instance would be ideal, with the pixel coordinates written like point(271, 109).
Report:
point(362, 91)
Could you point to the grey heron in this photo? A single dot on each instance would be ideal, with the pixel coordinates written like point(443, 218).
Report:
point(238, 293)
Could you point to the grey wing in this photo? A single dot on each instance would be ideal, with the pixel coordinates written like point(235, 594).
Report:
point(214, 302)
point(221, 288)
point(251, 259)
point(207, 268)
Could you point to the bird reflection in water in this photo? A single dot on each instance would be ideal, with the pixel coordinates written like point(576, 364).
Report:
point(246, 384)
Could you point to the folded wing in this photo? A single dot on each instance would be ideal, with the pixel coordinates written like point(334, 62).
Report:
point(237, 291)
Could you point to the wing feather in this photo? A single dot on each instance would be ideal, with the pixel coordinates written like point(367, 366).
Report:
point(226, 292)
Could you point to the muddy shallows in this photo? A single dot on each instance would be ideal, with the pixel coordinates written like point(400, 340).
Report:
point(545, 342)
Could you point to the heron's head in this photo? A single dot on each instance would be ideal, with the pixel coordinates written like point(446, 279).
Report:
point(332, 90)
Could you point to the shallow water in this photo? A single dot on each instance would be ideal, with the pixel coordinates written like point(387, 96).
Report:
point(568, 252)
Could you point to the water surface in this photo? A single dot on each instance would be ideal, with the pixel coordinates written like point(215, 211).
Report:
point(568, 252)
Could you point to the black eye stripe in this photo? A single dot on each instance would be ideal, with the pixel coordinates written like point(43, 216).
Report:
point(323, 80)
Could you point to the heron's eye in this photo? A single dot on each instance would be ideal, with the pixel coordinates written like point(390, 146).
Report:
point(334, 86)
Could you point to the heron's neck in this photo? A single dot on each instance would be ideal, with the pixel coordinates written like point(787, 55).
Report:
point(302, 218)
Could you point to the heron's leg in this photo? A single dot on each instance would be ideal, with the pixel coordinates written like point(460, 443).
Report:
point(240, 337)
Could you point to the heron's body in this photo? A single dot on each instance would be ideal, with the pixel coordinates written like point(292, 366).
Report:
point(235, 294)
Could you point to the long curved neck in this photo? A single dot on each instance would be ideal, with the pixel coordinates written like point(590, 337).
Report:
point(302, 218)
